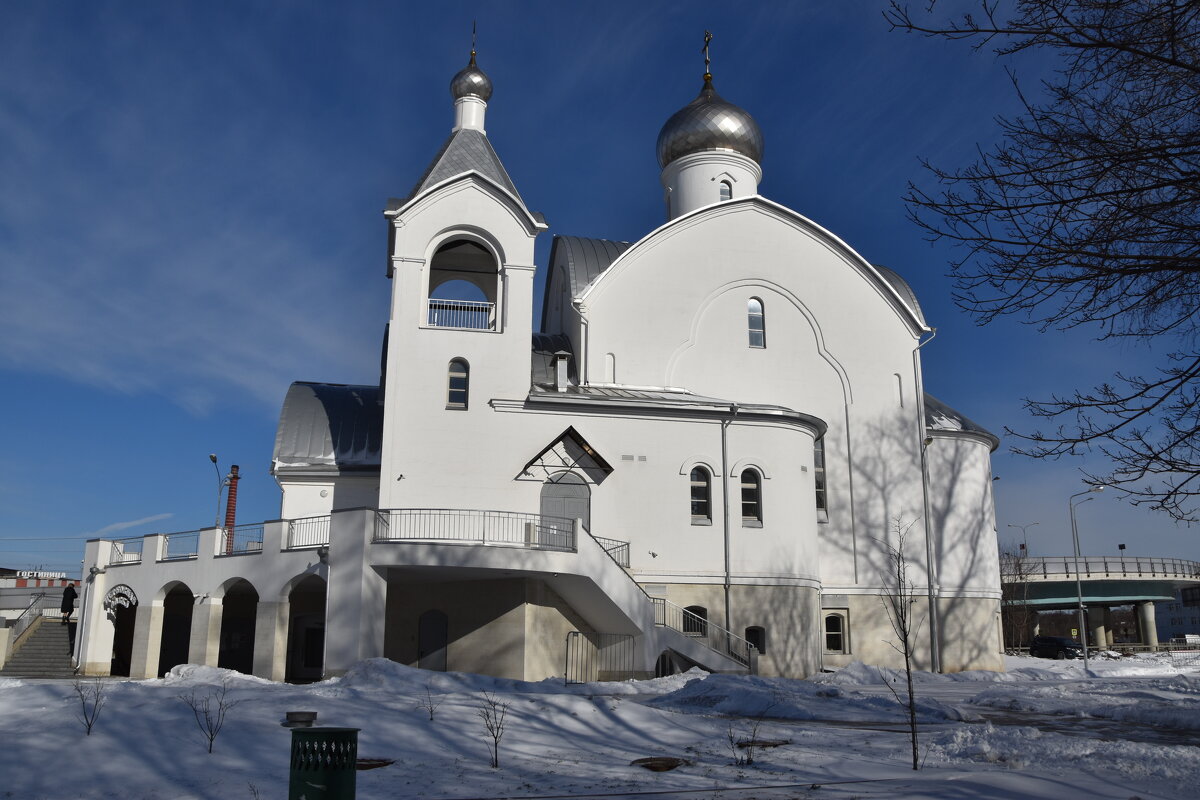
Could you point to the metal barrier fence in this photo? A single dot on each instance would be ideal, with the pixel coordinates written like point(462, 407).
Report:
point(470, 314)
point(669, 615)
point(126, 551)
point(185, 544)
point(308, 532)
point(599, 657)
point(1055, 567)
point(508, 528)
point(1185, 658)
point(617, 549)
point(242, 539)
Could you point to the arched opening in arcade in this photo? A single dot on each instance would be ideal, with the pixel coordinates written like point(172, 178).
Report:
point(239, 609)
point(306, 631)
point(176, 627)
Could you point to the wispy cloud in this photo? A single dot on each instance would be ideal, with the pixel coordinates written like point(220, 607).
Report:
point(133, 523)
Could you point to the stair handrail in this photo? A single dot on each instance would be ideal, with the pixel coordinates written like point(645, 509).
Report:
point(32, 612)
point(714, 637)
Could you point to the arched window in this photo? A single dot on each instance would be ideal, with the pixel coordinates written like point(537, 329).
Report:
point(757, 636)
point(701, 496)
point(819, 473)
point(835, 633)
point(695, 621)
point(458, 382)
point(757, 323)
point(751, 499)
point(726, 191)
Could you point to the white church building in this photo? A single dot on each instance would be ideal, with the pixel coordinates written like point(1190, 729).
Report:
point(637, 488)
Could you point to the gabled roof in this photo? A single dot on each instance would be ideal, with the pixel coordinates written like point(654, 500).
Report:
point(465, 151)
point(328, 428)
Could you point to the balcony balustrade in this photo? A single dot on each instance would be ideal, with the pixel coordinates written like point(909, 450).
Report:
point(473, 315)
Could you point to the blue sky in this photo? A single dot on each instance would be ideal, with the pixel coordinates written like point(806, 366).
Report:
point(190, 218)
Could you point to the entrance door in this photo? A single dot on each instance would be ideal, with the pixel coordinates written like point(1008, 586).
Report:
point(432, 637)
point(566, 495)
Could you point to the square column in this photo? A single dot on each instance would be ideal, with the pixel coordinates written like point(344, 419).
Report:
point(147, 641)
point(204, 645)
point(270, 640)
point(356, 595)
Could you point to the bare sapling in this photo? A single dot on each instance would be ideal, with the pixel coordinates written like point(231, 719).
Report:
point(91, 700)
point(210, 711)
point(899, 598)
point(430, 702)
point(493, 713)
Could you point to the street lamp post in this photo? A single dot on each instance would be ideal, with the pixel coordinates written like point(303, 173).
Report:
point(1025, 533)
point(220, 487)
point(1078, 580)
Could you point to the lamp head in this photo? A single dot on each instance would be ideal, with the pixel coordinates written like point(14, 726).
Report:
point(212, 457)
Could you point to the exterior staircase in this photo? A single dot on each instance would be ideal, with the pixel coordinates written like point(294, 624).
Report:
point(44, 652)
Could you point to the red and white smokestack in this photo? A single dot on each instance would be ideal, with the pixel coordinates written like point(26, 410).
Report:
point(231, 507)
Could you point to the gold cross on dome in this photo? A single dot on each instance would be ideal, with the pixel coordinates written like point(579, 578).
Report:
point(707, 61)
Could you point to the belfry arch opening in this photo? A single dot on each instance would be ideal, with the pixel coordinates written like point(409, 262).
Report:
point(464, 286)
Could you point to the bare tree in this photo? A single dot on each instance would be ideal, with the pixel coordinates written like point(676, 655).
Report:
point(91, 700)
point(429, 703)
point(210, 711)
point(1016, 615)
point(493, 714)
point(899, 599)
point(1087, 213)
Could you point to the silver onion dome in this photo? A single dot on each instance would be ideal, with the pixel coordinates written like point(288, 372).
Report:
point(470, 80)
point(709, 123)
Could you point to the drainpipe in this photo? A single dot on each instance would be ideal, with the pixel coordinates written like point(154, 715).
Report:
point(725, 423)
point(935, 643)
point(231, 507)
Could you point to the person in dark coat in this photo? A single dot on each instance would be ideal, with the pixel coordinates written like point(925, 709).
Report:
point(68, 602)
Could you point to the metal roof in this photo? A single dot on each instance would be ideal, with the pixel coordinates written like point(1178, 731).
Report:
point(903, 289)
point(545, 345)
point(329, 427)
point(941, 417)
point(585, 259)
point(464, 151)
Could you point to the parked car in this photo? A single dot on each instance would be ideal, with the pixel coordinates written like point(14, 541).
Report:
point(1055, 647)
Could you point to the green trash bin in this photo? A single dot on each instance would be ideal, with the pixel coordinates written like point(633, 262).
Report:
point(323, 763)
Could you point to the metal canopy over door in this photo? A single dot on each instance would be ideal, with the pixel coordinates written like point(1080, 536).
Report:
point(566, 495)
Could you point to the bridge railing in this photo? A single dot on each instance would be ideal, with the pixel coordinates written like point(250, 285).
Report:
point(1059, 567)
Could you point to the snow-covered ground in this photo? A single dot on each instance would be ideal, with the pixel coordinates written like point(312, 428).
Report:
point(1128, 729)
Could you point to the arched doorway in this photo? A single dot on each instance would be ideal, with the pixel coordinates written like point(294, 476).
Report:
point(567, 495)
point(306, 631)
point(239, 607)
point(176, 628)
point(120, 604)
point(433, 631)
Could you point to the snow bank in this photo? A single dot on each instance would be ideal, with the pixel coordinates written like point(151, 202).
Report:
point(784, 698)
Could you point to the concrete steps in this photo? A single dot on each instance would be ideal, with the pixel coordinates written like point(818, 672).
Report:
point(45, 652)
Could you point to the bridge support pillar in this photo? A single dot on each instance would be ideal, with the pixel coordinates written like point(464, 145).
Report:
point(1098, 617)
point(1147, 629)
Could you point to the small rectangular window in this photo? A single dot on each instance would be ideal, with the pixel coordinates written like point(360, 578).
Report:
point(757, 323)
point(819, 473)
point(458, 383)
point(835, 633)
point(751, 498)
point(701, 487)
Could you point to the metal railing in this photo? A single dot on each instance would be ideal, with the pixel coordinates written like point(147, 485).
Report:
point(32, 612)
point(469, 314)
point(126, 551)
point(177, 546)
point(308, 532)
point(617, 549)
point(241, 539)
point(1061, 567)
point(599, 657)
point(507, 528)
point(669, 615)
